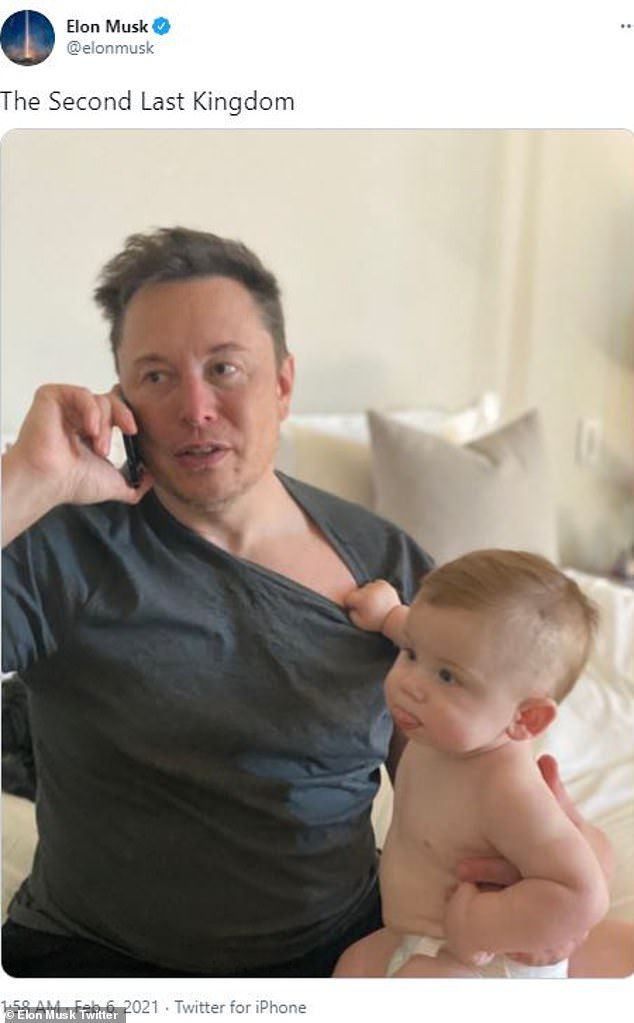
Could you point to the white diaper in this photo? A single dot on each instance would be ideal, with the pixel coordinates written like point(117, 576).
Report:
point(499, 966)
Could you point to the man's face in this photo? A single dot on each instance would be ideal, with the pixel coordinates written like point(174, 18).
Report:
point(198, 368)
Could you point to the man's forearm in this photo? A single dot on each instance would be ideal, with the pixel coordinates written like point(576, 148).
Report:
point(24, 497)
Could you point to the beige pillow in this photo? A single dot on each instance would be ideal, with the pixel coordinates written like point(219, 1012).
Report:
point(493, 492)
point(340, 465)
point(332, 450)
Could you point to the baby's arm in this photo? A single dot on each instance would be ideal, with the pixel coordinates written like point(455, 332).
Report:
point(562, 893)
point(376, 607)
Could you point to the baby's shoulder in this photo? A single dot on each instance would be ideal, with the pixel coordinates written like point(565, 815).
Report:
point(509, 772)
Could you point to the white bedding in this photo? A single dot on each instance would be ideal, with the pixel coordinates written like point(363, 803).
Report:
point(593, 737)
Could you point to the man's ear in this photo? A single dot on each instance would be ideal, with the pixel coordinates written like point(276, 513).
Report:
point(285, 378)
point(532, 717)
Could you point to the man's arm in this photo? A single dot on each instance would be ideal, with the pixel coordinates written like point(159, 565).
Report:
point(26, 497)
point(60, 456)
point(562, 892)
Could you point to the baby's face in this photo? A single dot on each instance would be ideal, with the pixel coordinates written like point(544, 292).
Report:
point(459, 681)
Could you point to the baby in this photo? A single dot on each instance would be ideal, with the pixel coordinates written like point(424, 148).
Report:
point(493, 641)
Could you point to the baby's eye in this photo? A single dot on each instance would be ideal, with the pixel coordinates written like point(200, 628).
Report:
point(409, 653)
point(446, 676)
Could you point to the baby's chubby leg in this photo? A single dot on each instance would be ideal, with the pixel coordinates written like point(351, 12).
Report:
point(369, 957)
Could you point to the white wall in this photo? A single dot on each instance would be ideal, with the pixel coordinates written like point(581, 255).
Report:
point(581, 335)
point(417, 268)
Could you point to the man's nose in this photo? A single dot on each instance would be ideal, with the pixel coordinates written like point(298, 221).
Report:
point(199, 402)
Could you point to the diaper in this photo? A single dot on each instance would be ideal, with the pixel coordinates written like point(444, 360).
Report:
point(499, 966)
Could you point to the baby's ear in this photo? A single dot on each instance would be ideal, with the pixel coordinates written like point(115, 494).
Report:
point(532, 717)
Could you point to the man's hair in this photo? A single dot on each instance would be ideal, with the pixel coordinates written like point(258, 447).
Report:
point(529, 592)
point(179, 253)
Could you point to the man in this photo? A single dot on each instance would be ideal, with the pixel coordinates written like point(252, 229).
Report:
point(208, 724)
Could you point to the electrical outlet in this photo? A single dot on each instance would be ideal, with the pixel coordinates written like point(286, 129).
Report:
point(589, 441)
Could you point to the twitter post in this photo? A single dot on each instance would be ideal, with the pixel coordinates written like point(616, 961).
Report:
point(317, 335)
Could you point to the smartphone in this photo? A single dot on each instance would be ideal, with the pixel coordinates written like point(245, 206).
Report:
point(134, 464)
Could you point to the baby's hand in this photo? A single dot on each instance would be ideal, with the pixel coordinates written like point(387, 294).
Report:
point(457, 913)
point(370, 605)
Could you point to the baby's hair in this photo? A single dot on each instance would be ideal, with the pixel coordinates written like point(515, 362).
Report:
point(530, 592)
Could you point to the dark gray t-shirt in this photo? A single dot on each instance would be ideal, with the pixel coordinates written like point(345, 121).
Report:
point(208, 733)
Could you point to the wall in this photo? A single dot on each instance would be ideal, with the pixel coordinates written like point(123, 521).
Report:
point(578, 342)
point(417, 268)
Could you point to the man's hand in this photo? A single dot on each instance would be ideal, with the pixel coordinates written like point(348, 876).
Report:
point(457, 913)
point(550, 773)
point(60, 456)
point(595, 838)
point(498, 873)
point(370, 605)
point(490, 873)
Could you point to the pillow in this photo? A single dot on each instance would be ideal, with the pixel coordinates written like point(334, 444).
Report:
point(332, 451)
point(493, 492)
point(19, 838)
point(457, 427)
point(339, 465)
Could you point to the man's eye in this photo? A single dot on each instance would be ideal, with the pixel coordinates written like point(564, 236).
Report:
point(446, 676)
point(155, 376)
point(224, 369)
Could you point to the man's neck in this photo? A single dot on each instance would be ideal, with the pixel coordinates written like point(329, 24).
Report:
point(241, 524)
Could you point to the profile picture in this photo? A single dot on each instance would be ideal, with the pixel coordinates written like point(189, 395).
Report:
point(27, 37)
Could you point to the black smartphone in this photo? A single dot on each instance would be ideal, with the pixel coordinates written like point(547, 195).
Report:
point(134, 464)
